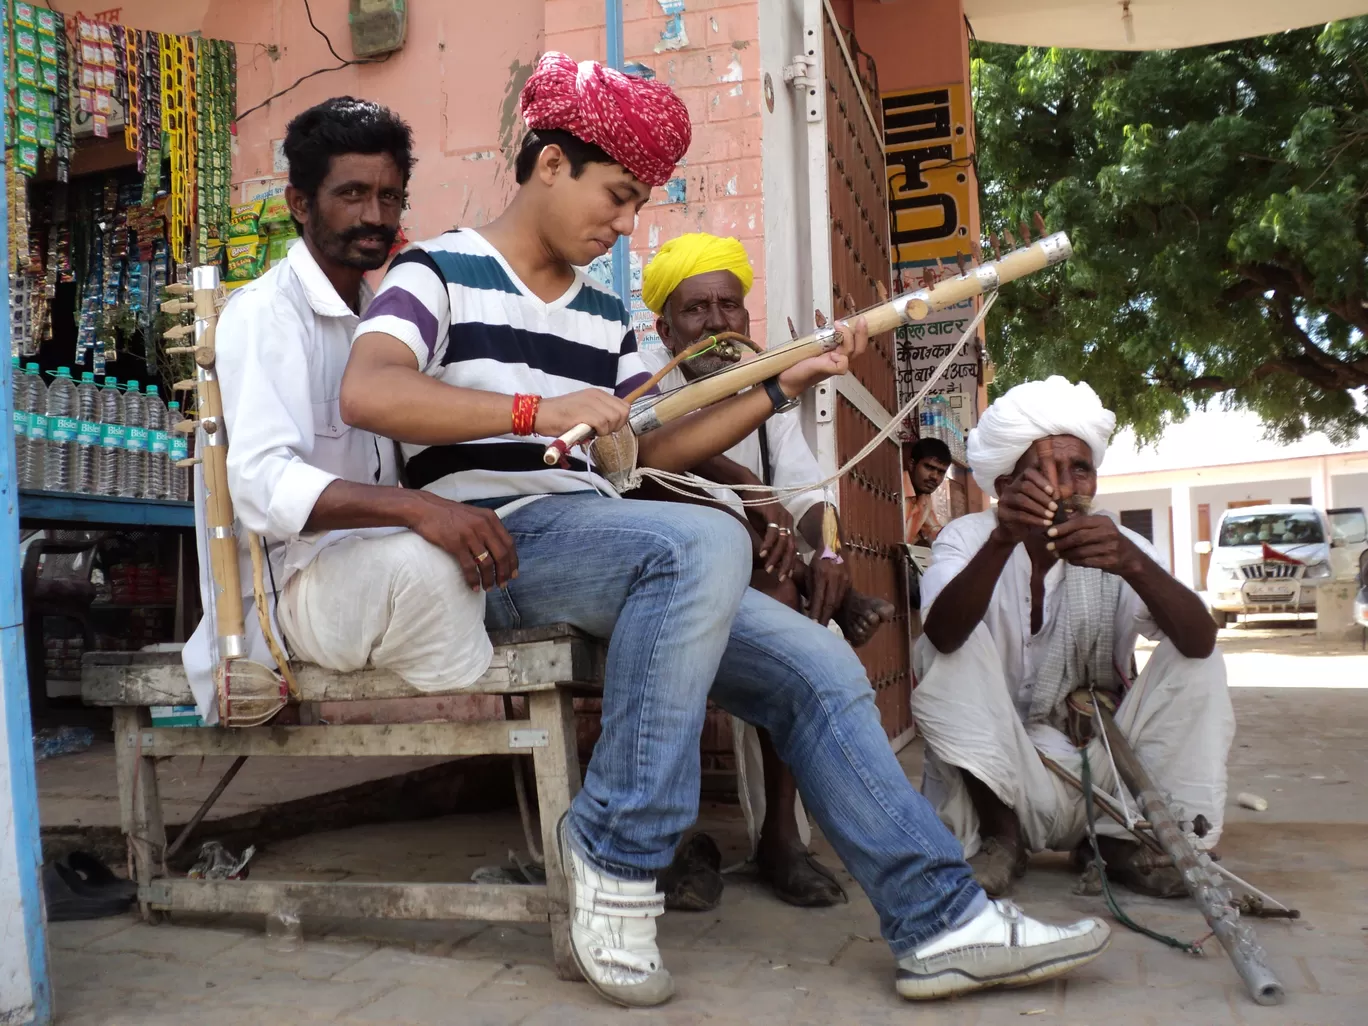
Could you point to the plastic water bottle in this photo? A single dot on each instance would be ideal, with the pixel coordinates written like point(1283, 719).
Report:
point(112, 432)
point(157, 481)
point(35, 405)
point(87, 434)
point(18, 398)
point(62, 425)
point(178, 448)
point(133, 472)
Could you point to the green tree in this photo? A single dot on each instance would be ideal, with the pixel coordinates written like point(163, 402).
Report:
point(1217, 199)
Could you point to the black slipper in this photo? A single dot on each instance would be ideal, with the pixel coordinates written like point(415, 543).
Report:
point(693, 881)
point(68, 897)
point(100, 877)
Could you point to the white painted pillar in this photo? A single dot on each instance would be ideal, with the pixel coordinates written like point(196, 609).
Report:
point(1184, 560)
point(1321, 495)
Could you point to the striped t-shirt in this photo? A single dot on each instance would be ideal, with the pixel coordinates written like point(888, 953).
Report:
point(472, 323)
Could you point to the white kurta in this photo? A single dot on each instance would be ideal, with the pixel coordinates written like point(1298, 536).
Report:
point(282, 345)
point(970, 706)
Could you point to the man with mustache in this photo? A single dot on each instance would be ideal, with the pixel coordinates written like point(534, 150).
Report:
point(1029, 607)
point(697, 286)
point(361, 571)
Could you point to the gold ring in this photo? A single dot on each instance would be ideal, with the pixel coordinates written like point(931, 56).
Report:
point(482, 557)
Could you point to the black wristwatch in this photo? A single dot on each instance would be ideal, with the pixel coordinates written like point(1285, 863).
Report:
point(782, 403)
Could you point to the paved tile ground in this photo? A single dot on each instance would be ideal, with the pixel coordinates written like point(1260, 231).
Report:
point(755, 961)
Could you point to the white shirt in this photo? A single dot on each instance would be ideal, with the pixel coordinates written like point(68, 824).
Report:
point(281, 347)
point(792, 462)
point(1008, 617)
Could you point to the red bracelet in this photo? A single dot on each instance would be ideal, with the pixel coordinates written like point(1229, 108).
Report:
point(525, 413)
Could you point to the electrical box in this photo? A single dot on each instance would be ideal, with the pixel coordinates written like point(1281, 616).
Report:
point(377, 26)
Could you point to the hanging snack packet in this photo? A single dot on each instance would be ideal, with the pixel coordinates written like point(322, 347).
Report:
point(275, 216)
point(26, 71)
point(245, 220)
point(246, 258)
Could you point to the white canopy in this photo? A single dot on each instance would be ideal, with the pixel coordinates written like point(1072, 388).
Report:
point(1145, 24)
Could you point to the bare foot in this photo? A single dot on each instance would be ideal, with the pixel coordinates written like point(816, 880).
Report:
point(999, 861)
point(797, 877)
point(861, 615)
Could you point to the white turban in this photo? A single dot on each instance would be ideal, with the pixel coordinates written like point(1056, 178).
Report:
point(1031, 411)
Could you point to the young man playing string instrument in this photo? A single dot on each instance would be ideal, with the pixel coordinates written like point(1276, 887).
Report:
point(1031, 612)
point(697, 286)
point(479, 348)
point(324, 496)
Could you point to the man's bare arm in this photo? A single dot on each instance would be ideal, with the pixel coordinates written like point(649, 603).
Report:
point(384, 391)
point(1096, 541)
point(463, 531)
point(960, 606)
point(1025, 507)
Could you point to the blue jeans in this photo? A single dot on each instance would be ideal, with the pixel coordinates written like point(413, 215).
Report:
point(666, 584)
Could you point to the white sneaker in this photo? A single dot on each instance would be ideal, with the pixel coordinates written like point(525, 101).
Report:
point(999, 947)
point(613, 931)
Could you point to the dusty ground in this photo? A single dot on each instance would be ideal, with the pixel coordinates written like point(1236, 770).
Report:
point(1302, 744)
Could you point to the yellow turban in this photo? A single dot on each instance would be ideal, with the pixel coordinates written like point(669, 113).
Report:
point(688, 255)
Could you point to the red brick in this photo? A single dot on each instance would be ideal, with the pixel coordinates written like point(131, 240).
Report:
point(573, 15)
point(734, 101)
point(714, 143)
point(728, 25)
point(581, 44)
point(733, 179)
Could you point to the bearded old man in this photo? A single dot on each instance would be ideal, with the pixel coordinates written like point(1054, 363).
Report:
point(1022, 608)
point(697, 286)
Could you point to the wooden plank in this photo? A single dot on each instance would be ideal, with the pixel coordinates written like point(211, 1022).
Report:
point(140, 810)
point(508, 903)
point(558, 780)
point(157, 678)
point(492, 737)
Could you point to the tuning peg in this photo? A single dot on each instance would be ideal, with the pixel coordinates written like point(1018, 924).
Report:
point(997, 246)
point(1039, 223)
point(179, 331)
point(881, 292)
point(820, 319)
point(976, 250)
point(851, 308)
point(1007, 238)
point(1025, 233)
point(175, 306)
point(959, 261)
point(188, 385)
point(193, 461)
point(177, 289)
point(793, 332)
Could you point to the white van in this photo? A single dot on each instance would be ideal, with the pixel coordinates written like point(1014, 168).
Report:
point(1269, 559)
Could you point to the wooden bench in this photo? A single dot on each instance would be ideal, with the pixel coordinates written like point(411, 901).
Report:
point(542, 664)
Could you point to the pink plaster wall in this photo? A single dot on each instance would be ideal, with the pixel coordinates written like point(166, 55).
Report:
point(456, 82)
point(717, 74)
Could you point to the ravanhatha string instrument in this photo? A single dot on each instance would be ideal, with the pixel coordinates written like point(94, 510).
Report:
point(248, 693)
point(615, 455)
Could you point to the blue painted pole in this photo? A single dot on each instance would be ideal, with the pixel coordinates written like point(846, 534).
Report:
point(622, 261)
point(23, 796)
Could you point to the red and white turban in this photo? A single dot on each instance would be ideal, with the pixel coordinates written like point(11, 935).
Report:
point(639, 122)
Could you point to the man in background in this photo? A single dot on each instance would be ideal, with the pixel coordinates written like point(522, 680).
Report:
point(697, 286)
point(926, 462)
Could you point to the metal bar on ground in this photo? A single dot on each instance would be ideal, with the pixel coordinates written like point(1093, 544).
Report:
point(1208, 890)
point(205, 806)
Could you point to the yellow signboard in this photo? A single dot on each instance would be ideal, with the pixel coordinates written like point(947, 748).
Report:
point(927, 138)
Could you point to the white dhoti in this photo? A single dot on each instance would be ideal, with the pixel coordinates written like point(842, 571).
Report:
point(1177, 717)
point(395, 602)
